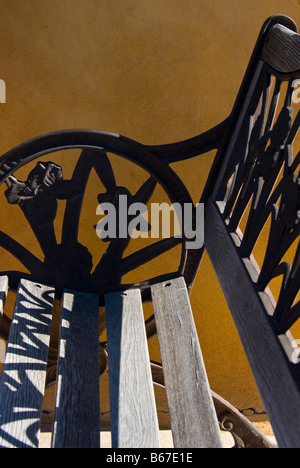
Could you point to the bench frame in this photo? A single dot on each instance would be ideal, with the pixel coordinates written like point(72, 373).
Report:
point(254, 170)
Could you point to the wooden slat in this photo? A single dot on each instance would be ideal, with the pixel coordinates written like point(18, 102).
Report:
point(278, 389)
point(24, 373)
point(4, 321)
point(77, 411)
point(3, 293)
point(134, 421)
point(193, 418)
point(282, 49)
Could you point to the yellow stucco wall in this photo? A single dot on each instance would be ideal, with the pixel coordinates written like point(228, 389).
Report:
point(157, 71)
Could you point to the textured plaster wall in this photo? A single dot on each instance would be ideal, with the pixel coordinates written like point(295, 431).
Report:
point(157, 71)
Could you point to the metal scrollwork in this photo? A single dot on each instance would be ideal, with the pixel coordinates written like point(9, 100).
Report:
point(38, 195)
point(69, 263)
point(244, 433)
point(265, 186)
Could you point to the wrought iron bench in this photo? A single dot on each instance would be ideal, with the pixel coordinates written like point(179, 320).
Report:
point(253, 186)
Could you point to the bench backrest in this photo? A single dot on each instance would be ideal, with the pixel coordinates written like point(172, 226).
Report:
point(253, 197)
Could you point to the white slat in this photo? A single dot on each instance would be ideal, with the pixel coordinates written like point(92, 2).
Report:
point(193, 418)
point(134, 421)
point(24, 372)
point(77, 412)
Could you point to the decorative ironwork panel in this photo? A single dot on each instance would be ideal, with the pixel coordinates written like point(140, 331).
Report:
point(261, 190)
point(67, 263)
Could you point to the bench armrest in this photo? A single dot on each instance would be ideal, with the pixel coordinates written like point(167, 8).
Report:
point(207, 141)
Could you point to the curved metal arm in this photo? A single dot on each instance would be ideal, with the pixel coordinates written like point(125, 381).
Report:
point(212, 139)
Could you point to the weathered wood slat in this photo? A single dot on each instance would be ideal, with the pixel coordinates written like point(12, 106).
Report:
point(274, 379)
point(134, 421)
point(3, 293)
point(24, 372)
point(4, 320)
point(77, 411)
point(282, 49)
point(193, 418)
